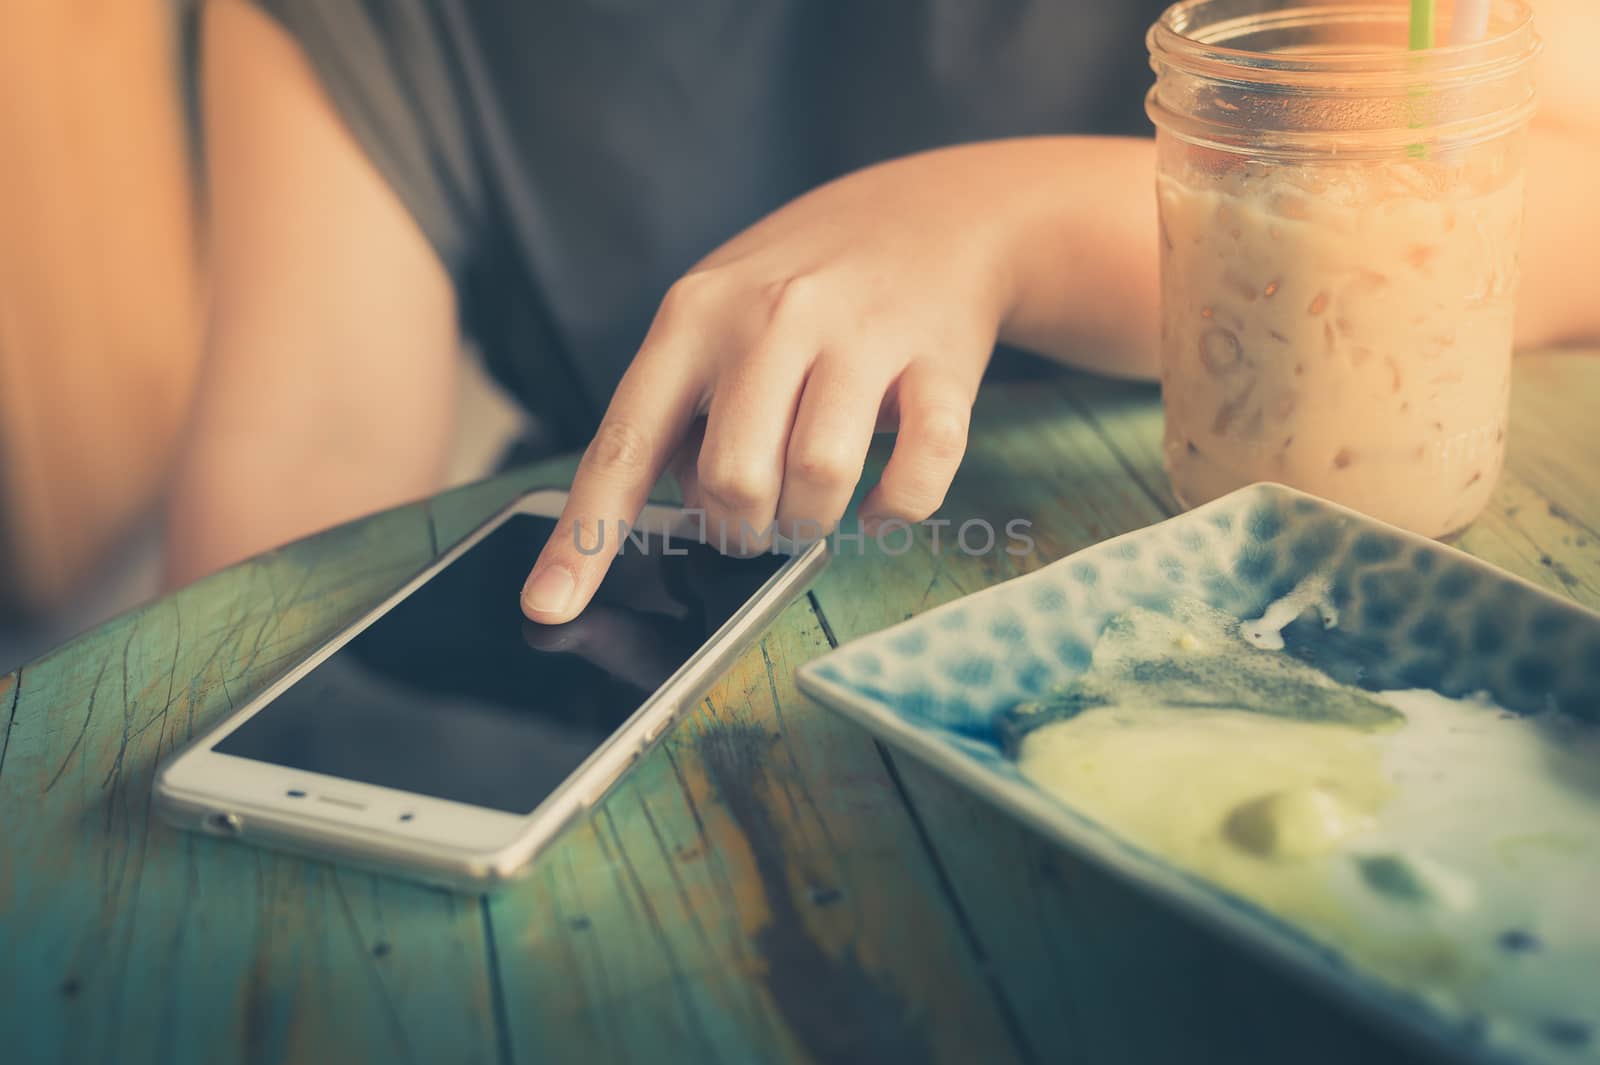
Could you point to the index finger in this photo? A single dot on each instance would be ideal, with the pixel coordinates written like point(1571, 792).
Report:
point(651, 410)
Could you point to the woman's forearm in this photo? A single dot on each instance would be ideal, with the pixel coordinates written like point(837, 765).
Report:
point(1561, 235)
point(1084, 288)
point(1557, 300)
point(99, 283)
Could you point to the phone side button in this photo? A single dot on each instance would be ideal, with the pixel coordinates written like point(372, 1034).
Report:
point(654, 731)
point(597, 793)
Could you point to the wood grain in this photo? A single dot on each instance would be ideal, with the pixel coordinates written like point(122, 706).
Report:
point(754, 891)
point(769, 885)
point(124, 940)
point(1544, 520)
point(1091, 968)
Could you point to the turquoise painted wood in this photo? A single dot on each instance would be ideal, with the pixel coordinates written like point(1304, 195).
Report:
point(771, 885)
point(1091, 970)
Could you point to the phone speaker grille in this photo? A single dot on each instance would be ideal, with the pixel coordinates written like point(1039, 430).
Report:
point(346, 803)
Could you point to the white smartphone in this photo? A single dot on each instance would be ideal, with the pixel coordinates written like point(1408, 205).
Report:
point(445, 738)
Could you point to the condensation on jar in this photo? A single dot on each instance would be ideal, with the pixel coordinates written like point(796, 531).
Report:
point(1339, 223)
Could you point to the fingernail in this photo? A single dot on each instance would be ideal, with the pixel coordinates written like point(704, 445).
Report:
point(549, 591)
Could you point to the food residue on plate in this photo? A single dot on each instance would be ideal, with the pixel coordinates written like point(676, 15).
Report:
point(1444, 845)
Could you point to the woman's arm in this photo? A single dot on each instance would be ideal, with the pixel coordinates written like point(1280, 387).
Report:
point(99, 283)
point(1090, 217)
point(1561, 237)
point(328, 388)
point(1085, 289)
point(1556, 300)
point(876, 299)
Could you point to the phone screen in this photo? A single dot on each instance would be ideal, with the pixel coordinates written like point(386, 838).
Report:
point(454, 694)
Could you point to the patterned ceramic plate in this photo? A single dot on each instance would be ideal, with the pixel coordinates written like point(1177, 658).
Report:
point(1327, 608)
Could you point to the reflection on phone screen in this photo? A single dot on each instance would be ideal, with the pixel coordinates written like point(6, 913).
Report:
point(454, 694)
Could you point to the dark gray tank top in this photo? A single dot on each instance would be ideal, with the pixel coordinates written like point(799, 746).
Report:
point(568, 161)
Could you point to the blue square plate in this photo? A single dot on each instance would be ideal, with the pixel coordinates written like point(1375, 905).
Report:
point(1411, 613)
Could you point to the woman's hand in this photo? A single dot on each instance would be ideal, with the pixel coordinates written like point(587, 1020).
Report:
point(872, 301)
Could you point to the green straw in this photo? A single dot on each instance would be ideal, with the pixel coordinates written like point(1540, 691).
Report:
point(1421, 25)
point(1421, 40)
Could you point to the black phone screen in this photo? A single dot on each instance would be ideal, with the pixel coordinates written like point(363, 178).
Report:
point(454, 694)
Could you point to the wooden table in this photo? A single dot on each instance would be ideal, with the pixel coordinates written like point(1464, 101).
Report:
point(772, 885)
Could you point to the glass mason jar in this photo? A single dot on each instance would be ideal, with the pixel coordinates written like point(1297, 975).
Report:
point(1339, 223)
